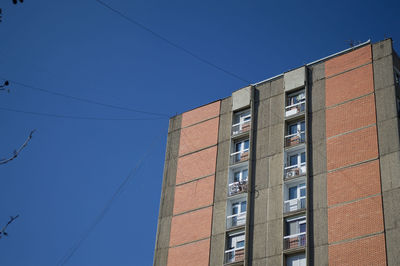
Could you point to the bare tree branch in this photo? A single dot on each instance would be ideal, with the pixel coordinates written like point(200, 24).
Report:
point(3, 231)
point(16, 152)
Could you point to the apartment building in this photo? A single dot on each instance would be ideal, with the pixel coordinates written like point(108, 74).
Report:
point(299, 169)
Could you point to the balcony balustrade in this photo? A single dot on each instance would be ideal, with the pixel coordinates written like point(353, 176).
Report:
point(295, 109)
point(234, 255)
point(241, 127)
point(295, 170)
point(295, 139)
point(294, 241)
point(236, 220)
point(294, 204)
point(239, 156)
point(237, 187)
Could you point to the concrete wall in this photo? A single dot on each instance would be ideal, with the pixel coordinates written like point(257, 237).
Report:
point(217, 250)
point(167, 193)
point(266, 200)
point(355, 213)
point(317, 218)
point(389, 147)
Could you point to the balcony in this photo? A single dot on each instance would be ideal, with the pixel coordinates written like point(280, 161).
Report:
point(294, 241)
point(295, 139)
point(294, 109)
point(236, 220)
point(241, 127)
point(237, 187)
point(239, 156)
point(294, 204)
point(234, 255)
point(295, 170)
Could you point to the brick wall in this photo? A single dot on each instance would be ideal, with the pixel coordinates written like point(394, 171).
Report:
point(189, 242)
point(355, 215)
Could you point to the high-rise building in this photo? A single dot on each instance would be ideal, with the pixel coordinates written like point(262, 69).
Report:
point(299, 169)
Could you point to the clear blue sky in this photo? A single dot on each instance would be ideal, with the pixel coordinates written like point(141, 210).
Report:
point(71, 168)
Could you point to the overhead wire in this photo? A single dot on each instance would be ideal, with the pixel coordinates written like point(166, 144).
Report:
point(86, 100)
point(173, 44)
point(67, 256)
point(74, 117)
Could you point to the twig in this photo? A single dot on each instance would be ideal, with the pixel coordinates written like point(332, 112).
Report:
point(16, 152)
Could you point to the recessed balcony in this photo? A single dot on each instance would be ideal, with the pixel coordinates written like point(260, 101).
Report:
point(241, 127)
point(234, 255)
point(239, 156)
point(294, 241)
point(294, 204)
point(234, 220)
point(237, 187)
point(295, 170)
point(294, 109)
point(295, 139)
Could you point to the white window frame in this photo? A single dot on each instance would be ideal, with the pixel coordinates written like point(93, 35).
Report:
point(301, 220)
point(295, 203)
point(240, 216)
point(297, 259)
point(290, 106)
point(239, 120)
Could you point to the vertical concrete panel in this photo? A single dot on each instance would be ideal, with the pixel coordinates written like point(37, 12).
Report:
point(217, 249)
point(317, 216)
point(167, 193)
point(388, 141)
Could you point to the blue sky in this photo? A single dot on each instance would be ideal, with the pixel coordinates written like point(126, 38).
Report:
point(71, 168)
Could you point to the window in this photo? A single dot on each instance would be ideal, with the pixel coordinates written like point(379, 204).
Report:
point(241, 151)
point(238, 180)
point(237, 212)
point(241, 122)
point(296, 133)
point(295, 163)
point(295, 103)
point(295, 196)
point(295, 232)
point(296, 260)
point(235, 247)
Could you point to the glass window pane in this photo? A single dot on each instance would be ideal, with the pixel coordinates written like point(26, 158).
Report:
point(302, 126)
point(292, 193)
point(246, 144)
point(236, 177)
point(238, 146)
point(243, 206)
point(240, 244)
point(293, 160)
point(302, 192)
point(303, 228)
point(235, 208)
point(292, 129)
point(245, 173)
point(303, 157)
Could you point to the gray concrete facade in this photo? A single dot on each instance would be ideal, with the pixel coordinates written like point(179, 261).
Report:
point(167, 192)
point(218, 235)
point(317, 218)
point(384, 59)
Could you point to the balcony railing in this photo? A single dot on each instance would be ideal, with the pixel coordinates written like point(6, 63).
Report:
point(295, 108)
point(237, 187)
point(241, 127)
point(234, 255)
point(239, 156)
point(294, 241)
point(295, 139)
point(294, 205)
point(236, 220)
point(295, 170)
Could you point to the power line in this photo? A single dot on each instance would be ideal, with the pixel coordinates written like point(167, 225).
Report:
point(177, 46)
point(74, 117)
point(106, 208)
point(86, 100)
